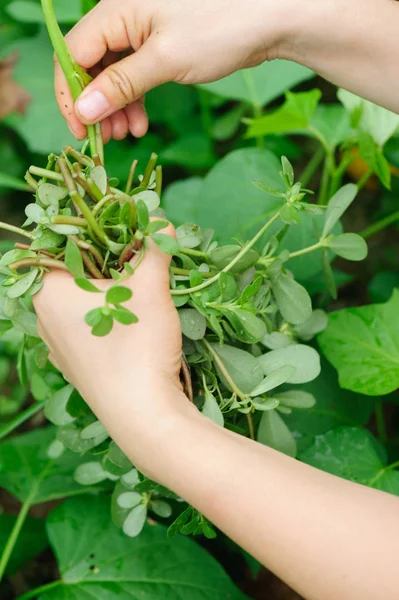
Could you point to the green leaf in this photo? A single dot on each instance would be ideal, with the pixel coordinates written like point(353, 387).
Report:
point(47, 239)
point(212, 410)
point(278, 377)
point(24, 460)
point(161, 508)
point(338, 204)
point(296, 399)
point(292, 299)
point(293, 116)
point(363, 345)
point(93, 317)
point(222, 256)
point(332, 122)
point(124, 315)
point(30, 12)
point(189, 235)
point(155, 226)
point(90, 473)
point(166, 243)
point(288, 171)
point(273, 432)
point(143, 218)
point(24, 283)
point(193, 150)
point(262, 84)
point(25, 321)
point(73, 259)
point(180, 200)
point(32, 540)
point(103, 327)
point(304, 359)
point(351, 453)
point(14, 255)
point(118, 294)
point(193, 324)
point(110, 565)
point(135, 521)
point(86, 285)
point(150, 199)
point(248, 327)
point(228, 286)
point(242, 367)
point(93, 430)
point(56, 407)
point(50, 194)
point(290, 215)
point(227, 190)
point(374, 157)
point(314, 325)
point(39, 84)
point(379, 122)
point(99, 176)
point(350, 246)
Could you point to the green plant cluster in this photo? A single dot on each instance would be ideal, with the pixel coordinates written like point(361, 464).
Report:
point(284, 341)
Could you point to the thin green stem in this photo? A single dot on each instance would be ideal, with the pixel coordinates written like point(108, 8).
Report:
point(312, 166)
point(251, 426)
point(193, 252)
point(64, 220)
point(339, 172)
point(380, 225)
point(68, 66)
point(186, 272)
point(45, 173)
point(362, 182)
point(231, 264)
point(148, 170)
point(130, 179)
point(380, 421)
point(158, 180)
point(40, 590)
point(48, 263)
point(307, 250)
point(325, 182)
point(218, 361)
point(21, 418)
point(18, 230)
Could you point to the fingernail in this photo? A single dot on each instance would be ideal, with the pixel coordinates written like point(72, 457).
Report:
point(92, 106)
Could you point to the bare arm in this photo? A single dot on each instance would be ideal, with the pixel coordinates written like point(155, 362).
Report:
point(328, 538)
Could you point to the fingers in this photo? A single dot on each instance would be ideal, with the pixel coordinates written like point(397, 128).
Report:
point(123, 83)
point(137, 118)
point(152, 276)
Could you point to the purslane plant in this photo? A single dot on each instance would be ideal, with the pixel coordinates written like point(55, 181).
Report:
point(244, 317)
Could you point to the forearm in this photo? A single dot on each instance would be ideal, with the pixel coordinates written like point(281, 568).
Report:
point(352, 43)
point(313, 530)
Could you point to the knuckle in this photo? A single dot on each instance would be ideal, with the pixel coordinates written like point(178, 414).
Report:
point(122, 84)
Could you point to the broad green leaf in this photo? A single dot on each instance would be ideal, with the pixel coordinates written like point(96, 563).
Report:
point(73, 259)
point(34, 212)
point(135, 521)
point(31, 541)
point(294, 116)
point(212, 410)
point(51, 194)
point(150, 199)
point(273, 432)
point(262, 84)
point(30, 12)
point(48, 239)
point(166, 243)
point(39, 83)
point(379, 122)
point(363, 345)
point(124, 316)
point(278, 377)
point(332, 121)
point(180, 200)
point(193, 150)
point(248, 327)
point(24, 461)
point(93, 317)
point(108, 564)
point(292, 299)
point(193, 324)
point(103, 327)
point(56, 407)
point(351, 453)
point(374, 157)
point(223, 256)
point(24, 283)
point(9, 182)
point(350, 246)
point(143, 218)
point(338, 204)
point(296, 399)
point(116, 456)
point(14, 255)
point(118, 294)
point(99, 176)
point(161, 508)
point(93, 430)
point(242, 367)
point(304, 359)
point(189, 235)
point(86, 285)
point(90, 473)
point(314, 325)
point(227, 190)
point(25, 321)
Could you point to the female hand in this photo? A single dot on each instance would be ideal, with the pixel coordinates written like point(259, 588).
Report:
point(130, 378)
point(183, 41)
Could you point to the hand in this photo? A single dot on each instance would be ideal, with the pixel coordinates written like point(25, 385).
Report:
point(190, 41)
point(130, 378)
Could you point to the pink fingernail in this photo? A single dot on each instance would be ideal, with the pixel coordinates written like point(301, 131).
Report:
point(91, 106)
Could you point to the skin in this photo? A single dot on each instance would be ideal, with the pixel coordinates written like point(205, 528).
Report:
point(326, 537)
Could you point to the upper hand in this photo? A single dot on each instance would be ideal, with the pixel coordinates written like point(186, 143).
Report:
point(188, 41)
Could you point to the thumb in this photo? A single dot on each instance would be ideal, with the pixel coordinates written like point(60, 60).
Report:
point(122, 83)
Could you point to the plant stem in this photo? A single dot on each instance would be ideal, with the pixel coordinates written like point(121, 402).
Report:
point(18, 230)
point(307, 250)
point(215, 357)
point(39, 590)
point(148, 170)
point(45, 173)
point(131, 176)
point(23, 513)
point(64, 220)
point(231, 264)
point(61, 49)
point(380, 420)
point(49, 263)
point(158, 180)
point(192, 252)
point(362, 182)
point(379, 225)
point(186, 272)
point(251, 426)
point(9, 427)
point(311, 167)
point(325, 181)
